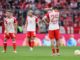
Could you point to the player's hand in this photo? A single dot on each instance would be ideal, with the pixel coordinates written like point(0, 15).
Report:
point(24, 30)
point(7, 33)
point(15, 31)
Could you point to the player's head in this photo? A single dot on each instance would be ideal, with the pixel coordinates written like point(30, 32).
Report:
point(55, 8)
point(30, 13)
point(9, 13)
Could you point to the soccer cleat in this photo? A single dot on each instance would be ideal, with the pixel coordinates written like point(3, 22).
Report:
point(3, 51)
point(53, 55)
point(31, 49)
point(58, 54)
point(15, 51)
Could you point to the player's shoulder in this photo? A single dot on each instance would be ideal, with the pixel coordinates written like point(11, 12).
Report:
point(28, 16)
point(5, 19)
point(14, 18)
point(56, 11)
point(35, 16)
point(48, 13)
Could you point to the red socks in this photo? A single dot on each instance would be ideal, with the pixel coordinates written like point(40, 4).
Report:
point(57, 50)
point(53, 51)
point(31, 43)
point(14, 46)
point(5, 47)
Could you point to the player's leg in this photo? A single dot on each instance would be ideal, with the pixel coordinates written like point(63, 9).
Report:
point(57, 36)
point(51, 36)
point(53, 47)
point(13, 37)
point(57, 47)
point(14, 44)
point(28, 37)
point(33, 35)
point(32, 42)
point(6, 37)
point(29, 41)
point(5, 45)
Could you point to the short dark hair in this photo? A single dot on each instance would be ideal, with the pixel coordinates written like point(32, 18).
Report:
point(55, 8)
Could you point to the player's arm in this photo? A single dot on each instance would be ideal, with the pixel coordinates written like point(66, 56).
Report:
point(44, 19)
point(25, 26)
point(26, 23)
point(5, 25)
point(15, 25)
point(37, 22)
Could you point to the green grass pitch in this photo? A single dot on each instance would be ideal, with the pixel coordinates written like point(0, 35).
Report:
point(39, 53)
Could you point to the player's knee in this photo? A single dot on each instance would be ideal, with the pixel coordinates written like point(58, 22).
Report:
point(5, 40)
point(13, 40)
point(29, 38)
point(57, 38)
point(51, 37)
point(32, 38)
point(57, 43)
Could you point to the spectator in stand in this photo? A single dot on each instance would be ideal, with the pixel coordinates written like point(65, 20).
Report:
point(73, 4)
point(69, 14)
point(63, 4)
point(76, 28)
point(77, 18)
point(62, 30)
point(48, 1)
point(38, 5)
point(79, 27)
point(56, 2)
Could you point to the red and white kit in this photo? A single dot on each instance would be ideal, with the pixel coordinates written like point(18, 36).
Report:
point(31, 26)
point(53, 18)
point(9, 25)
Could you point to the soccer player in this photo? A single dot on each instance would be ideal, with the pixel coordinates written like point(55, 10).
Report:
point(31, 21)
point(10, 24)
point(52, 19)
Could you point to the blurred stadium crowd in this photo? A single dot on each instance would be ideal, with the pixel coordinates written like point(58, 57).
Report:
point(69, 13)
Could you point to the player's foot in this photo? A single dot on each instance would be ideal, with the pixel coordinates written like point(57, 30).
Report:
point(31, 49)
point(3, 51)
point(53, 54)
point(58, 54)
point(15, 51)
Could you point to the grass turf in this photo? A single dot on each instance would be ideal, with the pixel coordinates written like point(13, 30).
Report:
point(39, 53)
